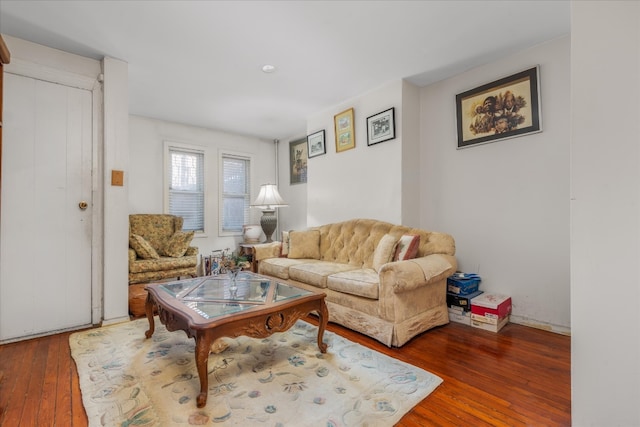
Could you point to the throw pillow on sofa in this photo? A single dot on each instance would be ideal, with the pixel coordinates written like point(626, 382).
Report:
point(384, 251)
point(304, 244)
point(284, 249)
point(177, 244)
point(142, 247)
point(407, 247)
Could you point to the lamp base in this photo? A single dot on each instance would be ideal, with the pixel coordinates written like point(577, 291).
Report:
point(268, 222)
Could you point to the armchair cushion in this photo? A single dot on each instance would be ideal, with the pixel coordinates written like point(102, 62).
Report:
point(142, 247)
point(177, 244)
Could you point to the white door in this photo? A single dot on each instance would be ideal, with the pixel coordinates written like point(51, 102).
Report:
point(45, 248)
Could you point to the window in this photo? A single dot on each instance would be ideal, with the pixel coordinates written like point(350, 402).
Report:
point(185, 178)
point(234, 194)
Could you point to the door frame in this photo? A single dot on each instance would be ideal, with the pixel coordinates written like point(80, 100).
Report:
point(94, 85)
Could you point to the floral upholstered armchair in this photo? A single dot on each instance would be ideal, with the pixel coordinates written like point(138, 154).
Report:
point(159, 249)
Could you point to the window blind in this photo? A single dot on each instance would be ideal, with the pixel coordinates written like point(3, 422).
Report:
point(235, 193)
point(186, 187)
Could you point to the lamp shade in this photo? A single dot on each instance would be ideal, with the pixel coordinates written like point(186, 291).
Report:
point(269, 198)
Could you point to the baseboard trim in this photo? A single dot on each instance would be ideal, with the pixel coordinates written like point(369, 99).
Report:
point(557, 329)
point(116, 320)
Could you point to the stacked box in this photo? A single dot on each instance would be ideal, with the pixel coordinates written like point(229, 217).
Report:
point(461, 302)
point(459, 316)
point(461, 288)
point(488, 326)
point(463, 283)
point(490, 311)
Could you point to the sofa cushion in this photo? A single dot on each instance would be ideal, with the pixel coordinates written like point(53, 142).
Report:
point(304, 244)
point(177, 244)
point(279, 267)
point(316, 273)
point(408, 246)
point(384, 251)
point(142, 247)
point(362, 282)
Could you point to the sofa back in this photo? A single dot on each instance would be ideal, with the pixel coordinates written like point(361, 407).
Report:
point(354, 241)
point(155, 228)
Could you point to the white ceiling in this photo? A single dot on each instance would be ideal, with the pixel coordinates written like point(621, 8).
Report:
point(199, 62)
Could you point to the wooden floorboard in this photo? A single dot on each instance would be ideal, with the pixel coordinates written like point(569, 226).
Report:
point(518, 377)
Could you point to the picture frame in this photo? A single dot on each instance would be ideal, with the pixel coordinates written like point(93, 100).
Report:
point(344, 130)
point(298, 161)
point(381, 127)
point(505, 108)
point(316, 144)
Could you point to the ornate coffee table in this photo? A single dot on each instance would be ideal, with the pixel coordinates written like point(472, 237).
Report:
point(208, 308)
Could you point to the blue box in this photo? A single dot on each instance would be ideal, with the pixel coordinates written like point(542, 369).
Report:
point(461, 302)
point(463, 284)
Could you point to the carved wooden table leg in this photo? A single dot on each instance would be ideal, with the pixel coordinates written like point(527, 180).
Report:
point(148, 308)
point(323, 319)
point(203, 347)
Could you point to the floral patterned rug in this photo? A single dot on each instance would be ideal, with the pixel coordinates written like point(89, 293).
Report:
point(283, 380)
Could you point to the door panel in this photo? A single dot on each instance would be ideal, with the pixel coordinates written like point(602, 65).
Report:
point(45, 249)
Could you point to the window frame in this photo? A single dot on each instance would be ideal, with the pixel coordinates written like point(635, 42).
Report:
point(180, 146)
point(222, 154)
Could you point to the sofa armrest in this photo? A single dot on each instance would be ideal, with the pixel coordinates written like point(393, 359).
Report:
point(266, 250)
point(132, 255)
point(191, 251)
point(404, 276)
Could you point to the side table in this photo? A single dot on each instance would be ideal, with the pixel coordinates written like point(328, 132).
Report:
point(246, 249)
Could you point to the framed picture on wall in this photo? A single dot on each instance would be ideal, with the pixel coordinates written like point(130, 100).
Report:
point(381, 127)
point(505, 108)
point(316, 144)
point(345, 131)
point(298, 161)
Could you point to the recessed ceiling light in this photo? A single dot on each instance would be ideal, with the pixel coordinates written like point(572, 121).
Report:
point(268, 68)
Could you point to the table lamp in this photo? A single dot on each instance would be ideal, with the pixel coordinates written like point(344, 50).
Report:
point(268, 199)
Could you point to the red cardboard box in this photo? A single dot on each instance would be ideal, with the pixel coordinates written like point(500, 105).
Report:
point(491, 305)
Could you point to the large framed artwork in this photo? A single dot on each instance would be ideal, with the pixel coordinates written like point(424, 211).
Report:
point(316, 144)
point(345, 130)
point(298, 161)
point(381, 127)
point(505, 108)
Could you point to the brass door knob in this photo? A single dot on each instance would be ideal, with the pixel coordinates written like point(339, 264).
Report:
point(83, 205)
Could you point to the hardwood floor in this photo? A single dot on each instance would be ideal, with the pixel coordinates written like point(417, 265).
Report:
point(518, 377)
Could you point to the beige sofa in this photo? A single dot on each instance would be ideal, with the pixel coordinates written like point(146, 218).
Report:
point(391, 301)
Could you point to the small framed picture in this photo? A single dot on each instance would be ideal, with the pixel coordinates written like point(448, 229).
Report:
point(381, 127)
point(505, 108)
point(315, 144)
point(345, 130)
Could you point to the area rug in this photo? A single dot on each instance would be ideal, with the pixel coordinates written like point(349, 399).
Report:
point(283, 380)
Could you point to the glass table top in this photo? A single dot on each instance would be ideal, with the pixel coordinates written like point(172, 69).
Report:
point(214, 296)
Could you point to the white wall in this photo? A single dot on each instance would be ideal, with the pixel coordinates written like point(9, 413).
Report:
point(605, 213)
point(506, 203)
point(411, 170)
point(146, 148)
point(115, 155)
point(364, 182)
point(293, 217)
